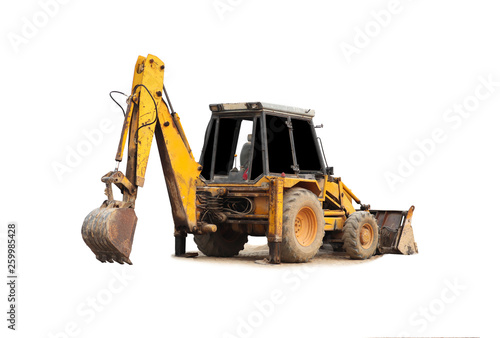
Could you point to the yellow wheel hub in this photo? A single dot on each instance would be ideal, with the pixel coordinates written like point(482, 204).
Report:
point(306, 226)
point(366, 236)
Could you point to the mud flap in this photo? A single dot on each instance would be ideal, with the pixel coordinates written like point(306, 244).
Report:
point(395, 232)
point(109, 233)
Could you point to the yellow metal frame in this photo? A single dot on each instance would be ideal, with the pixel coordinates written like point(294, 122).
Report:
point(335, 191)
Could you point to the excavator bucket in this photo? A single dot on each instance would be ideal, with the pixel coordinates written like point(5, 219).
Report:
point(395, 232)
point(109, 232)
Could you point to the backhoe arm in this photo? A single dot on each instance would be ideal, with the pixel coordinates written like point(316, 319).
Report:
point(179, 168)
point(109, 230)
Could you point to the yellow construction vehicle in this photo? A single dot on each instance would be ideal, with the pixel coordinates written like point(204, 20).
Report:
point(262, 172)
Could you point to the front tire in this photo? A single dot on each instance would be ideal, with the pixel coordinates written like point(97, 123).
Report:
point(223, 243)
point(303, 226)
point(360, 235)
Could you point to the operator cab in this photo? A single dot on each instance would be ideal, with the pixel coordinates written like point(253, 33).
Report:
point(245, 141)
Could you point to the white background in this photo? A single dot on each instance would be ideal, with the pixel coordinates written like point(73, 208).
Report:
point(375, 105)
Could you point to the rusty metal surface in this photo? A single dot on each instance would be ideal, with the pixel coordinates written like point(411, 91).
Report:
point(231, 188)
point(407, 245)
point(109, 233)
point(120, 180)
point(247, 222)
point(395, 231)
point(389, 223)
point(247, 194)
point(276, 210)
point(275, 228)
point(258, 106)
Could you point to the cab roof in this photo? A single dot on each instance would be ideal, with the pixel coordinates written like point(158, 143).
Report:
point(260, 106)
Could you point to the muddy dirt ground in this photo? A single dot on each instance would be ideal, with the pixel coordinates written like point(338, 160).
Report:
point(256, 254)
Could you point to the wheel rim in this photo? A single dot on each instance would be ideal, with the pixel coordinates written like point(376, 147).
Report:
point(366, 236)
point(306, 226)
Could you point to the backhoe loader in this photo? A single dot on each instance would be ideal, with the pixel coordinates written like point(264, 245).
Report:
point(262, 172)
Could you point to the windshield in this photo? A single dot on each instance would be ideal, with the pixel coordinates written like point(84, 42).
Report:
point(234, 155)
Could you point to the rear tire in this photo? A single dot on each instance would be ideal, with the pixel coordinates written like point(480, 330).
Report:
point(303, 226)
point(360, 235)
point(223, 243)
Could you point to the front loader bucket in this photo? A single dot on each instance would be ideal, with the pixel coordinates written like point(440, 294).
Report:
point(109, 233)
point(395, 232)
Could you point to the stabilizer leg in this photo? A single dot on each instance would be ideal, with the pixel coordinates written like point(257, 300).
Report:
point(274, 252)
point(180, 245)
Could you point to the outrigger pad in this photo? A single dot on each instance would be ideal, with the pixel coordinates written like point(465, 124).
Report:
point(109, 233)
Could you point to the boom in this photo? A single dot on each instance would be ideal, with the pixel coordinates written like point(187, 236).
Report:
point(108, 230)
